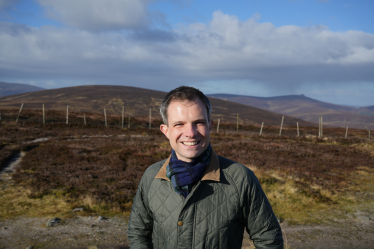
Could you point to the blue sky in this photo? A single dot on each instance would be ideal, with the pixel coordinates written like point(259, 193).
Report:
point(321, 48)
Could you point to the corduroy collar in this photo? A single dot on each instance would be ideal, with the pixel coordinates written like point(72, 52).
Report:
point(211, 173)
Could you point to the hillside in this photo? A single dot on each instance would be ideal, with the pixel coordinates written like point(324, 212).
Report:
point(7, 89)
point(368, 110)
point(308, 109)
point(136, 102)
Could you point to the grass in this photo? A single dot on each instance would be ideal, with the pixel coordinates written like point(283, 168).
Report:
point(18, 200)
point(15, 201)
point(292, 203)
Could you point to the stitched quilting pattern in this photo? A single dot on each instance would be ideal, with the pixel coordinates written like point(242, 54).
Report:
point(214, 204)
point(214, 211)
point(166, 206)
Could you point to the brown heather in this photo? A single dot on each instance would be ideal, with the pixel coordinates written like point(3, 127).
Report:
point(106, 169)
point(100, 167)
point(307, 162)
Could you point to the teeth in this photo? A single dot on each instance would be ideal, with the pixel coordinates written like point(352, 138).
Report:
point(190, 143)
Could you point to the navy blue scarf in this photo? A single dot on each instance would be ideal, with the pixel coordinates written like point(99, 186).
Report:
point(183, 174)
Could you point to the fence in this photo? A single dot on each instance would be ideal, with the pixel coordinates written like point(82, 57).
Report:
point(293, 131)
point(126, 120)
point(77, 118)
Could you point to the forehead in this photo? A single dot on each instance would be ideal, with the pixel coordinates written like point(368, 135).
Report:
point(195, 107)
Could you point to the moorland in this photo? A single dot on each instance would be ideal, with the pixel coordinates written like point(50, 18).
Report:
point(324, 183)
point(136, 102)
point(303, 107)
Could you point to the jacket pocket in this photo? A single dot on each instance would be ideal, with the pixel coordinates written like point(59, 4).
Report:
point(224, 238)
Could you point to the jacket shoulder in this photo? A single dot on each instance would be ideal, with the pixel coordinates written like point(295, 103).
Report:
point(150, 174)
point(151, 171)
point(154, 168)
point(236, 171)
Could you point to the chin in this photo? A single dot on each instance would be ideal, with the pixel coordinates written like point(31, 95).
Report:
point(194, 155)
point(190, 156)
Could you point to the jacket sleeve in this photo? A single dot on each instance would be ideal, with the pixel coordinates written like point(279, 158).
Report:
point(140, 228)
point(260, 220)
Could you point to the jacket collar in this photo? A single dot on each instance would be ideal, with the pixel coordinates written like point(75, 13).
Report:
point(211, 173)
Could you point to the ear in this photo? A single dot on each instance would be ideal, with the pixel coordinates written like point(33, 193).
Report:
point(164, 129)
point(210, 124)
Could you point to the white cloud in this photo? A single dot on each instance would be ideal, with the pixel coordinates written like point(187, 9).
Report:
point(228, 48)
point(99, 14)
point(5, 4)
point(225, 50)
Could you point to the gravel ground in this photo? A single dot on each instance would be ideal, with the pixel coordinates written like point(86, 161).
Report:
point(90, 232)
point(76, 232)
point(350, 236)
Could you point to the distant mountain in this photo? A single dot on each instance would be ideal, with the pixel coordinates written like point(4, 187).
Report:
point(136, 101)
point(308, 109)
point(7, 89)
point(368, 110)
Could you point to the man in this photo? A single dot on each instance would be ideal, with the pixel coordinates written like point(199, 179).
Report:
point(196, 199)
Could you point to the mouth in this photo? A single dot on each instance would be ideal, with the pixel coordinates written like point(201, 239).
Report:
point(191, 143)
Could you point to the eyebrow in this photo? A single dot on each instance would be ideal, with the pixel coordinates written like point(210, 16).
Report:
point(197, 120)
point(200, 120)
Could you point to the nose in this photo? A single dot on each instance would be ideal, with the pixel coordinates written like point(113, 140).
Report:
point(190, 130)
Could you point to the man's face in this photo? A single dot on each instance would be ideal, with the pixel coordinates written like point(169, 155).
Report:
point(188, 128)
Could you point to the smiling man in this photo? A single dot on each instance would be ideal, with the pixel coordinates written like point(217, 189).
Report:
point(195, 198)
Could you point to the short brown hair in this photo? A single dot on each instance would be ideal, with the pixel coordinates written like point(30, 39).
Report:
point(184, 93)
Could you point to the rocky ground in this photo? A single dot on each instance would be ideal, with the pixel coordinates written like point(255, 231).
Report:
point(100, 232)
point(350, 236)
point(75, 232)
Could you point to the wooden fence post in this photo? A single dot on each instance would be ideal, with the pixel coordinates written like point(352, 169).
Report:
point(105, 117)
point(0, 114)
point(20, 109)
point(297, 126)
point(346, 132)
point(369, 133)
point(84, 118)
point(67, 114)
point(123, 115)
point(43, 115)
point(237, 123)
point(150, 118)
point(262, 125)
point(319, 126)
point(128, 126)
point(280, 131)
point(218, 126)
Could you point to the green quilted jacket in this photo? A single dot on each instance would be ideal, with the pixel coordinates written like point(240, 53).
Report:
point(226, 200)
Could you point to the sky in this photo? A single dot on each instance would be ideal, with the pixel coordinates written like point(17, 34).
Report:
point(323, 49)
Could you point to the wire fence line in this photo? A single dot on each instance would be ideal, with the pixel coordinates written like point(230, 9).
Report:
point(87, 119)
point(126, 120)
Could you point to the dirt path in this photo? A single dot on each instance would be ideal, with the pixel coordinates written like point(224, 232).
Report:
point(88, 232)
point(8, 169)
point(76, 232)
point(351, 236)
point(10, 166)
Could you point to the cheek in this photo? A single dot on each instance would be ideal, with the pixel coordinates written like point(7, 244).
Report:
point(203, 131)
point(174, 135)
